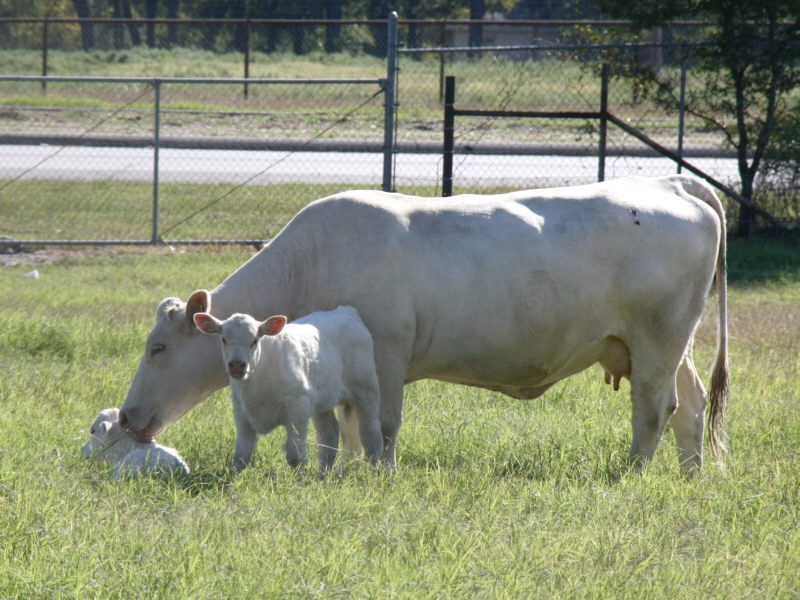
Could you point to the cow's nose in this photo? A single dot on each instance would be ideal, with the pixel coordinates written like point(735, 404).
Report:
point(237, 368)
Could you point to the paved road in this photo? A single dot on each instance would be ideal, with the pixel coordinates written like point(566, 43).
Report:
point(347, 169)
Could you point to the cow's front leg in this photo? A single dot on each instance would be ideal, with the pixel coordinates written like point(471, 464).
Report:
point(391, 370)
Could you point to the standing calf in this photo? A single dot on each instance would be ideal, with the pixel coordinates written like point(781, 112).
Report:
point(284, 374)
point(111, 443)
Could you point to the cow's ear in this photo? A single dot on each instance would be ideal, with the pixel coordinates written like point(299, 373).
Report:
point(273, 325)
point(167, 307)
point(199, 301)
point(207, 323)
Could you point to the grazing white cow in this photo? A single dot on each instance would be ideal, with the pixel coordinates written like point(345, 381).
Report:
point(111, 443)
point(285, 374)
point(509, 292)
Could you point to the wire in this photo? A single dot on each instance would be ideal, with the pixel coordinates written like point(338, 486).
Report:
point(86, 132)
point(305, 144)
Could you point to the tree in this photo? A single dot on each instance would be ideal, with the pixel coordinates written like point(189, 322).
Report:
point(84, 11)
point(333, 11)
point(150, 8)
point(173, 10)
point(750, 64)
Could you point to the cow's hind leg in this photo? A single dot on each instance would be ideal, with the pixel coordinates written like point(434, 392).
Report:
point(688, 420)
point(654, 398)
point(367, 405)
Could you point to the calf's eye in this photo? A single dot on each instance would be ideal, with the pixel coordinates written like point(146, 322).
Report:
point(156, 348)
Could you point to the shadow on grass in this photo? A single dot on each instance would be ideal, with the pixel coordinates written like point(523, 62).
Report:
point(199, 482)
point(770, 256)
point(548, 460)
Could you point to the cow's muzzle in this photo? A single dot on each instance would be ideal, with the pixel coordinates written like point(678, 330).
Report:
point(145, 434)
point(237, 369)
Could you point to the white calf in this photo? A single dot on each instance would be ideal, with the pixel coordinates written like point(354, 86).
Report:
point(111, 443)
point(284, 374)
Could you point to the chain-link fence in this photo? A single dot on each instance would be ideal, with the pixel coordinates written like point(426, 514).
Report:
point(544, 71)
point(237, 158)
point(179, 145)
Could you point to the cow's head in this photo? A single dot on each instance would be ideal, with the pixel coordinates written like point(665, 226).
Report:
point(240, 336)
point(180, 367)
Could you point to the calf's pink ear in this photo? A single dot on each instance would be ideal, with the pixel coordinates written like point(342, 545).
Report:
point(206, 323)
point(273, 325)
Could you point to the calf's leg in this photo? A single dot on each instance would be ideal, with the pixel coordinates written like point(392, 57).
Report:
point(295, 446)
point(246, 438)
point(327, 439)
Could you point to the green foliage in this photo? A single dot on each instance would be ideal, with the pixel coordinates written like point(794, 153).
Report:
point(749, 60)
point(493, 497)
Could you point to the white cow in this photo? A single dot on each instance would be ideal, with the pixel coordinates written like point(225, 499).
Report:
point(285, 374)
point(111, 443)
point(509, 292)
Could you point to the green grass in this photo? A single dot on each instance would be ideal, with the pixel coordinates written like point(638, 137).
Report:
point(489, 81)
point(493, 498)
point(113, 210)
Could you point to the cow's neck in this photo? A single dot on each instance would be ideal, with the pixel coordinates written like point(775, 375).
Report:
point(259, 287)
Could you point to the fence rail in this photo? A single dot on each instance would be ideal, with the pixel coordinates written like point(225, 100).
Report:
point(152, 144)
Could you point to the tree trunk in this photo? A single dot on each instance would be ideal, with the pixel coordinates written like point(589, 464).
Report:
point(173, 7)
point(746, 227)
point(477, 10)
point(333, 11)
point(117, 29)
point(84, 11)
point(150, 13)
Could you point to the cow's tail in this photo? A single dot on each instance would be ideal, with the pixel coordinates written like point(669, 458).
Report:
point(718, 395)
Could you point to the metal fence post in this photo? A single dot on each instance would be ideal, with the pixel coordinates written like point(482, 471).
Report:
point(449, 127)
point(45, 48)
point(601, 159)
point(156, 147)
point(389, 102)
point(442, 58)
point(246, 56)
point(681, 113)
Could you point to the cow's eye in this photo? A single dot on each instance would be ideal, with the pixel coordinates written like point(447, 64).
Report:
point(254, 343)
point(224, 342)
point(156, 349)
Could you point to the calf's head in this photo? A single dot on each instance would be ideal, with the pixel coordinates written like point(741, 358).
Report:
point(179, 369)
point(108, 440)
point(240, 336)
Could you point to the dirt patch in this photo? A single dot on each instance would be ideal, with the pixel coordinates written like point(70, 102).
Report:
point(35, 256)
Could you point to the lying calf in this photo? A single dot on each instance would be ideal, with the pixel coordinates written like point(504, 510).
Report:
point(111, 443)
point(284, 374)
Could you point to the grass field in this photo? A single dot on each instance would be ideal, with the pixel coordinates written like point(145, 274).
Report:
point(123, 211)
point(555, 82)
point(493, 498)
point(109, 210)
